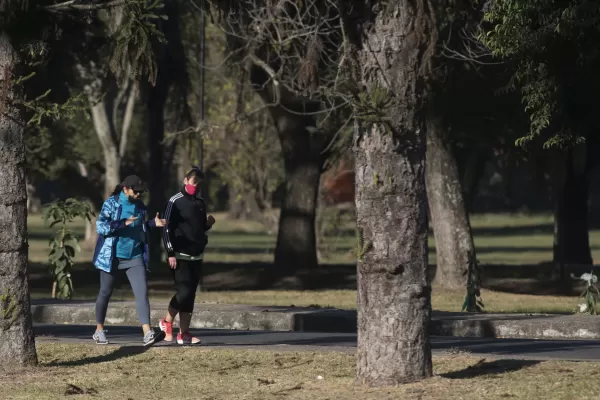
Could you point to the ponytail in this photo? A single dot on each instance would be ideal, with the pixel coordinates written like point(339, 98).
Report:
point(118, 189)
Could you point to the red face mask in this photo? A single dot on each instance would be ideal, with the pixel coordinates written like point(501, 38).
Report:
point(190, 189)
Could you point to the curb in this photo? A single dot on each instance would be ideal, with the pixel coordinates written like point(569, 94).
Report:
point(328, 320)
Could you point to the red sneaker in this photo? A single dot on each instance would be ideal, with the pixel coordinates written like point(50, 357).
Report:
point(187, 338)
point(167, 328)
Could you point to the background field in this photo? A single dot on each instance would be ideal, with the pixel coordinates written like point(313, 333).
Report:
point(516, 251)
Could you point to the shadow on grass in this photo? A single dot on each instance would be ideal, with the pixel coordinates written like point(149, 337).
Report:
point(119, 353)
point(537, 279)
point(483, 368)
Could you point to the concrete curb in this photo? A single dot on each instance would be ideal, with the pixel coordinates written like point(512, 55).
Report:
point(245, 317)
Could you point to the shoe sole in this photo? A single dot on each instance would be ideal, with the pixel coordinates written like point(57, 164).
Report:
point(98, 342)
point(181, 342)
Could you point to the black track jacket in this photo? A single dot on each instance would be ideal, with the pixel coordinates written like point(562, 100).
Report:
point(185, 231)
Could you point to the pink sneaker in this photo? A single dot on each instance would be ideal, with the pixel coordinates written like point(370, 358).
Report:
point(167, 328)
point(187, 338)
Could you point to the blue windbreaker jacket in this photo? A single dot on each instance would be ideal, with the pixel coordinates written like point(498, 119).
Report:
point(109, 221)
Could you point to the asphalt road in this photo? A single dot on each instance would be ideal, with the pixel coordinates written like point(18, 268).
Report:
point(577, 350)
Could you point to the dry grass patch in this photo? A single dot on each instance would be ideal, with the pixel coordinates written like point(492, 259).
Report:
point(128, 373)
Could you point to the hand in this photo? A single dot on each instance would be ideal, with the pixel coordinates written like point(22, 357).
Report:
point(172, 262)
point(130, 220)
point(160, 222)
point(210, 221)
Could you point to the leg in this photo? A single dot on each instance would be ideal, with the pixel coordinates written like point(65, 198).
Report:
point(107, 282)
point(186, 281)
point(185, 314)
point(166, 324)
point(139, 285)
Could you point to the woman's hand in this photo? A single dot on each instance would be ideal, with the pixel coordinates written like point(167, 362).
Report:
point(210, 221)
point(160, 222)
point(172, 262)
point(130, 220)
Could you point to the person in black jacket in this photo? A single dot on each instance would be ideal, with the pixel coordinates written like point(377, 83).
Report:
point(184, 239)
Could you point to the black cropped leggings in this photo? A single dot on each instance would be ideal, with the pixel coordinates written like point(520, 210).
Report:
point(186, 277)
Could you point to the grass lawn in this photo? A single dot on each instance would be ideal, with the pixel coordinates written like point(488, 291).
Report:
point(512, 247)
point(500, 239)
point(256, 374)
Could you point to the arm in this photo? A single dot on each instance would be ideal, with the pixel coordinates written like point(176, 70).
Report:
point(105, 226)
point(208, 220)
point(171, 213)
point(208, 223)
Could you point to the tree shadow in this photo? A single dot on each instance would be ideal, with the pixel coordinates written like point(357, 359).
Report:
point(483, 368)
point(119, 353)
point(522, 230)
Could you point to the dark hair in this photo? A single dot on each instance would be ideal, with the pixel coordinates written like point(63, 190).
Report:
point(195, 174)
point(118, 189)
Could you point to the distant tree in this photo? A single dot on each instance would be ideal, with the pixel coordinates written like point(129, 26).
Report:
point(554, 45)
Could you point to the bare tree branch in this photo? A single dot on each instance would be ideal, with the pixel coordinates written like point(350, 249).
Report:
point(472, 50)
point(75, 5)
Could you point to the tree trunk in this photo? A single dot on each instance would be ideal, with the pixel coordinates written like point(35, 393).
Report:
point(155, 128)
point(243, 206)
point(394, 296)
point(106, 130)
point(449, 217)
point(170, 63)
point(90, 235)
point(296, 247)
point(112, 176)
point(17, 343)
point(571, 242)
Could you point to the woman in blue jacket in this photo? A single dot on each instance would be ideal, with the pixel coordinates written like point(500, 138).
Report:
point(123, 245)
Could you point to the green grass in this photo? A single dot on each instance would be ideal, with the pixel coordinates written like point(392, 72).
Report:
point(509, 245)
point(110, 372)
point(500, 239)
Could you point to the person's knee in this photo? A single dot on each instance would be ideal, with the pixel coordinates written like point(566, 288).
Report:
point(105, 292)
point(185, 298)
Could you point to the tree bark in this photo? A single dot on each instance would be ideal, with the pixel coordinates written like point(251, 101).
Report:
point(449, 217)
point(571, 241)
point(17, 343)
point(394, 296)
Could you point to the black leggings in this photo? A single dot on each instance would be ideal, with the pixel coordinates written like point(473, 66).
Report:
point(186, 277)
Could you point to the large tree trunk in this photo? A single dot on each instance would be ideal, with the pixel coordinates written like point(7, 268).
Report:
point(394, 295)
point(170, 62)
point(17, 343)
point(155, 128)
point(296, 247)
point(449, 217)
point(571, 241)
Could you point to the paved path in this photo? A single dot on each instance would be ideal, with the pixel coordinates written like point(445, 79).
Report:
point(587, 350)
